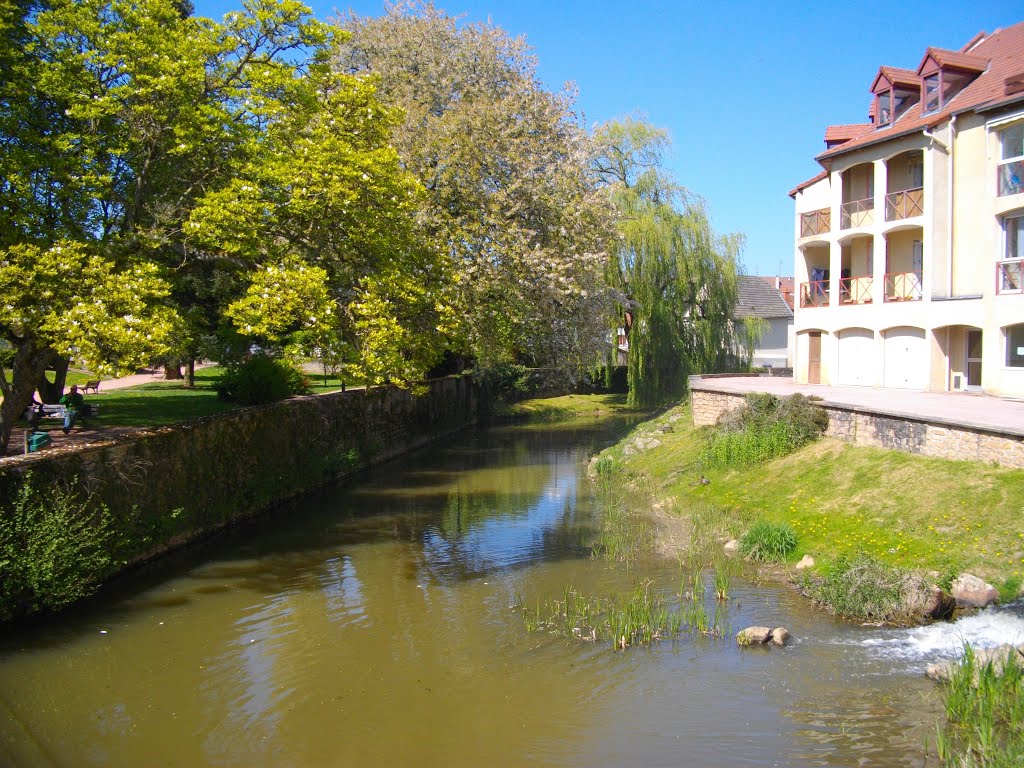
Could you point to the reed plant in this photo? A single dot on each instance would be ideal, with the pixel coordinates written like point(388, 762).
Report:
point(984, 714)
point(625, 534)
point(768, 542)
point(641, 617)
point(723, 577)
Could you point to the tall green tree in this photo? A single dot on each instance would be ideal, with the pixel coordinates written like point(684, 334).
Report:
point(153, 150)
point(504, 166)
point(676, 278)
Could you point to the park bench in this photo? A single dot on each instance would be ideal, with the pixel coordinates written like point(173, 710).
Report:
point(35, 441)
point(57, 411)
point(93, 385)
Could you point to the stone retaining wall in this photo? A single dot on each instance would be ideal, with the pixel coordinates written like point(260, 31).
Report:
point(863, 427)
point(172, 484)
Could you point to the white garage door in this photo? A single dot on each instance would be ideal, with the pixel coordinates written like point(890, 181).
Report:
point(906, 360)
point(856, 357)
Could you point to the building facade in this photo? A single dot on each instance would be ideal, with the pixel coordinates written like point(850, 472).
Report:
point(761, 298)
point(909, 259)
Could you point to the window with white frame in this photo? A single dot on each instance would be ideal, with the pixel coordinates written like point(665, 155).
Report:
point(1010, 269)
point(1011, 157)
point(1015, 346)
point(1013, 236)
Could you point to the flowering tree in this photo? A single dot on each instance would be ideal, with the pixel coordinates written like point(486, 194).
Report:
point(162, 171)
point(504, 166)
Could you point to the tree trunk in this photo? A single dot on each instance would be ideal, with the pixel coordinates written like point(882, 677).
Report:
point(29, 364)
point(51, 393)
point(190, 374)
point(172, 372)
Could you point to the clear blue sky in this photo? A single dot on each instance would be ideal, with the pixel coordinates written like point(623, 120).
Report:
point(744, 88)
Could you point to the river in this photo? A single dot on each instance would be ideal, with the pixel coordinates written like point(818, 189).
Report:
point(371, 624)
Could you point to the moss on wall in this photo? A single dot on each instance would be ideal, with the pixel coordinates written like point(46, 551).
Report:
point(169, 486)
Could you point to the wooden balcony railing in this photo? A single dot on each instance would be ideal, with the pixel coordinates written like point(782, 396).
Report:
point(857, 213)
point(903, 286)
point(1010, 276)
point(904, 205)
point(816, 222)
point(814, 293)
point(855, 290)
point(1011, 178)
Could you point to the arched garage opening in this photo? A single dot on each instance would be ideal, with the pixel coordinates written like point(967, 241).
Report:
point(905, 364)
point(857, 357)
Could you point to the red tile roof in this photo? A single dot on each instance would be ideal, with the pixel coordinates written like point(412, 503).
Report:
point(1004, 53)
point(836, 134)
point(897, 76)
point(954, 59)
point(805, 184)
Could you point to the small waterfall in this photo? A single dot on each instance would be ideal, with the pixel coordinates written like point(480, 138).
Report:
point(945, 640)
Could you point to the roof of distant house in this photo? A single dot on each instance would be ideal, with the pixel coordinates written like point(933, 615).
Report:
point(784, 286)
point(997, 60)
point(759, 298)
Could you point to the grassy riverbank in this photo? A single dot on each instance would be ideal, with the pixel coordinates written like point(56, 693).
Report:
point(568, 407)
point(906, 511)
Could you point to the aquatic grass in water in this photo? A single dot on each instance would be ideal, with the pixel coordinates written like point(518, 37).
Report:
point(723, 577)
point(641, 618)
point(985, 715)
point(625, 534)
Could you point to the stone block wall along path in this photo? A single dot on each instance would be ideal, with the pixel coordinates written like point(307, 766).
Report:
point(948, 425)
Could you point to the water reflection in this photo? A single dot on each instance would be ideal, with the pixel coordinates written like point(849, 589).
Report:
point(370, 625)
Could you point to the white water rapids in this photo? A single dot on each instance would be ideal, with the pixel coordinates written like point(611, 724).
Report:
point(920, 646)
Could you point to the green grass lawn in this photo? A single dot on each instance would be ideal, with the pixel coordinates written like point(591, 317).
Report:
point(161, 402)
point(568, 407)
point(904, 510)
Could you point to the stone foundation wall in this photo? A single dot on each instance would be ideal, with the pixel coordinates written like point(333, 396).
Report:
point(169, 485)
point(886, 431)
point(708, 407)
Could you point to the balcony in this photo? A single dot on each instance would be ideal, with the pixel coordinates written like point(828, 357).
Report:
point(1011, 178)
point(857, 213)
point(855, 290)
point(1010, 276)
point(903, 286)
point(814, 293)
point(905, 204)
point(816, 222)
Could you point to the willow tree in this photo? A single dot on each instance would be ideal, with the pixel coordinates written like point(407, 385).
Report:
point(504, 165)
point(676, 278)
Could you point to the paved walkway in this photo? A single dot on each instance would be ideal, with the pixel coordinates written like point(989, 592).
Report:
point(142, 376)
point(1001, 414)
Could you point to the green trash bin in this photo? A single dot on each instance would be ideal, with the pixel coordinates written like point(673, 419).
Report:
point(38, 440)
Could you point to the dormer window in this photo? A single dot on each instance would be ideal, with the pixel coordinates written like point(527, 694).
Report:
point(944, 74)
point(930, 97)
point(896, 91)
point(884, 109)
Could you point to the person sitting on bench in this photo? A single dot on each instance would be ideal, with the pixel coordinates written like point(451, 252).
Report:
point(34, 415)
point(74, 408)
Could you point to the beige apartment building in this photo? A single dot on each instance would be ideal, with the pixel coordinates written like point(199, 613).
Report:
point(909, 257)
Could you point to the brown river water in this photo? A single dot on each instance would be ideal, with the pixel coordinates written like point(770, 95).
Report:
point(371, 624)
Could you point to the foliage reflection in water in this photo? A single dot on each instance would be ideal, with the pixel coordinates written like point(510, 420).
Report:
point(370, 625)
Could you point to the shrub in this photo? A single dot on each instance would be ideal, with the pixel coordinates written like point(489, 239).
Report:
point(262, 379)
point(768, 542)
point(859, 587)
point(763, 428)
point(53, 549)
